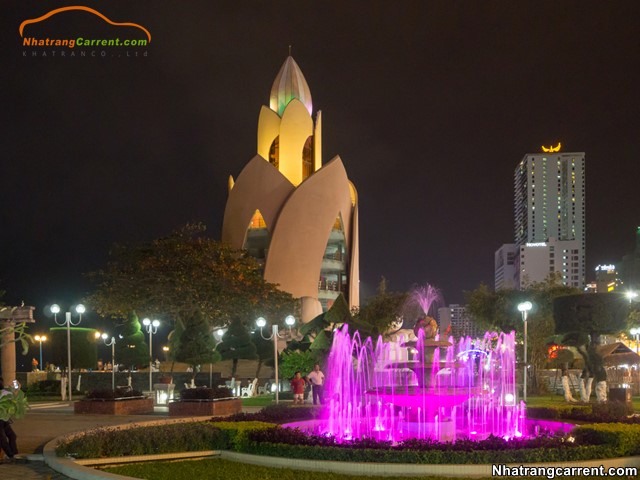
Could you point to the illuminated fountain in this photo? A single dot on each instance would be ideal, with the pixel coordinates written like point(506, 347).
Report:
point(422, 387)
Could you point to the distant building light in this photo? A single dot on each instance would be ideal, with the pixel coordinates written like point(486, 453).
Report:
point(605, 268)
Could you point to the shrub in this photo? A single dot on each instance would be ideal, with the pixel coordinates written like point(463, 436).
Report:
point(205, 393)
point(44, 387)
point(624, 439)
point(108, 394)
point(273, 414)
point(104, 442)
point(597, 412)
point(588, 444)
point(236, 433)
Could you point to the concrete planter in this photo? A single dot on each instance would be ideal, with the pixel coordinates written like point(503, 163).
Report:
point(201, 408)
point(129, 406)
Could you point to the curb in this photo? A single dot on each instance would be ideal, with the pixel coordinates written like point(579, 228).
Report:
point(78, 471)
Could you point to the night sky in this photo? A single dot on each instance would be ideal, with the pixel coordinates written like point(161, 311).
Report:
point(429, 104)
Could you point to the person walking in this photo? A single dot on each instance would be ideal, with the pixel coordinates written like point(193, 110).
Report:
point(8, 437)
point(316, 378)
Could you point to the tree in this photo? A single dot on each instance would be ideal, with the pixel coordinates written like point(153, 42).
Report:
point(380, 312)
point(196, 344)
point(583, 319)
point(236, 344)
point(292, 362)
point(84, 351)
point(264, 351)
point(499, 311)
point(131, 349)
point(175, 276)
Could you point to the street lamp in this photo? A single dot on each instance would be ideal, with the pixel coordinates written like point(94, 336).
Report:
point(40, 338)
point(524, 307)
point(111, 343)
point(217, 335)
point(636, 336)
point(80, 309)
point(261, 323)
point(631, 295)
point(152, 327)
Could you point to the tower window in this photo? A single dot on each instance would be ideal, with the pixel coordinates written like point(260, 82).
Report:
point(274, 152)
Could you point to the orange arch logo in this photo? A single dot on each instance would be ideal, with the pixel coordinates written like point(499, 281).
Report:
point(86, 9)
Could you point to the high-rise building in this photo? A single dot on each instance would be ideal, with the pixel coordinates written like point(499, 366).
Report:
point(454, 320)
point(607, 279)
point(505, 263)
point(550, 209)
point(298, 217)
point(630, 266)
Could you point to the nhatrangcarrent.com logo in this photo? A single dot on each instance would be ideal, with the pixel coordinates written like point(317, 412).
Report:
point(116, 46)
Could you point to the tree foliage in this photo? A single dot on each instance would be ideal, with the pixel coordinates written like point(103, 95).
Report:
point(185, 272)
point(131, 348)
point(592, 314)
point(196, 345)
point(291, 362)
point(237, 344)
point(380, 313)
point(84, 350)
point(499, 311)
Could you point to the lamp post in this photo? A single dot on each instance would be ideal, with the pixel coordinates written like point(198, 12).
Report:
point(524, 307)
point(111, 343)
point(80, 309)
point(152, 328)
point(636, 336)
point(261, 323)
point(217, 335)
point(40, 338)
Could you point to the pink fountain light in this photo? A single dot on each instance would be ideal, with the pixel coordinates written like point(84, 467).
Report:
point(429, 388)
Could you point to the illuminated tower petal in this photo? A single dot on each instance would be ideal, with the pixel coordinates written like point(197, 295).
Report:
point(289, 84)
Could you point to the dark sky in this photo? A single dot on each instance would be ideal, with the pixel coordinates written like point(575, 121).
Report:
point(429, 104)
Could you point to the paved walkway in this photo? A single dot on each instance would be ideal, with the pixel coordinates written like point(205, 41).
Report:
point(46, 421)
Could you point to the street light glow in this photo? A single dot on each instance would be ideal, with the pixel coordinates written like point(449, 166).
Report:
point(156, 323)
point(146, 322)
point(55, 308)
point(630, 294)
point(261, 322)
point(525, 306)
point(80, 309)
point(290, 320)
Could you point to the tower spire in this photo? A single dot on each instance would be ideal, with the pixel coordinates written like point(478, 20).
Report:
point(289, 84)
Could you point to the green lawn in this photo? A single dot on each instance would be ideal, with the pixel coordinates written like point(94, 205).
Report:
point(558, 400)
point(260, 401)
point(218, 469)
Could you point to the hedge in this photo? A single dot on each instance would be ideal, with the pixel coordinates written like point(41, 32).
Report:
point(624, 438)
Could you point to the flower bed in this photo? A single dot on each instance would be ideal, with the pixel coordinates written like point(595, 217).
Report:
point(202, 408)
point(203, 401)
point(118, 406)
point(121, 401)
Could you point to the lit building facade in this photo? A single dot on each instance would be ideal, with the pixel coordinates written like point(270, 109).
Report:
point(505, 267)
point(455, 320)
point(294, 214)
point(607, 279)
point(549, 208)
point(538, 260)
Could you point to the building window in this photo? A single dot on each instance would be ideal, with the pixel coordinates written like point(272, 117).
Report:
point(274, 153)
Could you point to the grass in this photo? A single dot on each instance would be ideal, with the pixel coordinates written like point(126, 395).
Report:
point(259, 401)
point(558, 400)
point(218, 469)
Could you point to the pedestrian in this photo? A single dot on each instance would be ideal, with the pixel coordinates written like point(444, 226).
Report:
point(7, 435)
point(297, 385)
point(316, 378)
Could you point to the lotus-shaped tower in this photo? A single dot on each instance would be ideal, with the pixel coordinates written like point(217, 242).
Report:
point(294, 214)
